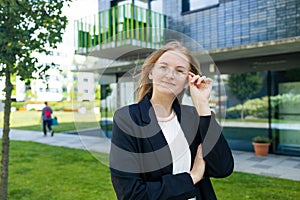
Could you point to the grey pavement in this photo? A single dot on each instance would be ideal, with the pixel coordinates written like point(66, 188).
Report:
point(279, 166)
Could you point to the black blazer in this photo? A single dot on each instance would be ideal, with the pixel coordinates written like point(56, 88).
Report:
point(141, 161)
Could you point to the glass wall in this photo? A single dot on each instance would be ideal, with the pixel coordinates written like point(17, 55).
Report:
point(247, 108)
point(264, 103)
point(285, 111)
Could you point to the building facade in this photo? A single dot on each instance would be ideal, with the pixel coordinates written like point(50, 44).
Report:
point(240, 38)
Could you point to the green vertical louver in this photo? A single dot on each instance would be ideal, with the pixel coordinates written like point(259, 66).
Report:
point(120, 25)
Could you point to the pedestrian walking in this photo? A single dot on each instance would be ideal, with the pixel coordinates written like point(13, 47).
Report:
point(47, 119)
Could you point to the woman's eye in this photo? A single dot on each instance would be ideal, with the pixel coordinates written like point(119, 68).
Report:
point(181, 71)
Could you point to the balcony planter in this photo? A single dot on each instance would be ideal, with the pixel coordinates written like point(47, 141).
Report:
point(261, 145)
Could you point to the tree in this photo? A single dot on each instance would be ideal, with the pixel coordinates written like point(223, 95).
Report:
point(244, 86)
point(105, 91)
point(26, 27)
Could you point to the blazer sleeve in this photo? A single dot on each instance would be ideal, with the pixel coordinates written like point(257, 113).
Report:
point(216, 151)
point(127, 174)
point(132, 186)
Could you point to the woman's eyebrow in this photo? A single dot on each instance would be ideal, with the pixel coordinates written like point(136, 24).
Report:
point(179, 66)
point(163, 63)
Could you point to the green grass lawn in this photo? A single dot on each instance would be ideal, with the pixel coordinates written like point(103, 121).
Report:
point(31, 120)
point(240, 186)
point(43, 172)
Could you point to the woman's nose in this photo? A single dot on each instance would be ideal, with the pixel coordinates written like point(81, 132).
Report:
point(170, 73)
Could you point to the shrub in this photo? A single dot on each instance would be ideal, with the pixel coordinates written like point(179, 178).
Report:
point(257, 107)
point(254, 107)
point(285, 99)
point(18, 105)
point(233, 113)
point(261, 139)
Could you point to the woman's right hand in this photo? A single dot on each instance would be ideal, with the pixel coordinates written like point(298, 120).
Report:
point(200, 89)
point(198, 169)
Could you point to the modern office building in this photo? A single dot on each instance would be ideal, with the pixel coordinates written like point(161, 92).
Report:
point(243, 38)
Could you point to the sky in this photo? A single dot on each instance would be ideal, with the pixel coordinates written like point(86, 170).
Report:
point(81, 8)
point(78, 9)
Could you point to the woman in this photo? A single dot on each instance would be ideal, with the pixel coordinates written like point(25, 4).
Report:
point(160, 148)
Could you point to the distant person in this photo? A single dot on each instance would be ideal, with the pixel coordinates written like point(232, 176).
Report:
point(47, 119)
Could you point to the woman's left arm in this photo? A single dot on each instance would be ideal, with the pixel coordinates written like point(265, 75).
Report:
point(216, 152)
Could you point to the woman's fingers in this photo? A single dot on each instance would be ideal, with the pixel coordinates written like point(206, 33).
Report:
point(209, 83)
point(197, 80)
point(198, 169)
point(193, 77)
point(199, 152)
point(200, 80)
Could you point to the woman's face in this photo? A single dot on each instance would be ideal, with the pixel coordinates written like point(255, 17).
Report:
point(169, 74)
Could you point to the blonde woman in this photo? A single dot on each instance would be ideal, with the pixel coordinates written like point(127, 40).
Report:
point(160, 148)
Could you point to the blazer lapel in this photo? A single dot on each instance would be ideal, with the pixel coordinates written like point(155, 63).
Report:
point(186, 121)
point(189, 124)
point(160, 149)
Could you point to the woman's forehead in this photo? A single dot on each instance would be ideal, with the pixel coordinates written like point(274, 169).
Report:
point(174, 57)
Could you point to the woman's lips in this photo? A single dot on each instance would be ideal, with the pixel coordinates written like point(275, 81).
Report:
point(168, 83)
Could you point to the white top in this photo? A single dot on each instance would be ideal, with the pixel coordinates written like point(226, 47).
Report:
point(180, 151)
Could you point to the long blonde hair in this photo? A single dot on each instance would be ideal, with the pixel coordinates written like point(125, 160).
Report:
point(145, 84)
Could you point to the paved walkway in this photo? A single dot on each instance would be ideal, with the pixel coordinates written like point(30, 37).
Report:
point(286, 167)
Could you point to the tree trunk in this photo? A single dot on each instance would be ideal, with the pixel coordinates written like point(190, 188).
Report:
point(242, 112)
point(5, 136)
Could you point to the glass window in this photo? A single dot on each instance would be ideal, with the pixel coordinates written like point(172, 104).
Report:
point(285, 107)
point(190, 5)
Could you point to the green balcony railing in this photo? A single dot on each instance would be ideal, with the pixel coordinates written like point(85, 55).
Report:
point(119, 26)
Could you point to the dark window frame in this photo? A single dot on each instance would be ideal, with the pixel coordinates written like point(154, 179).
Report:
point(185, 9)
